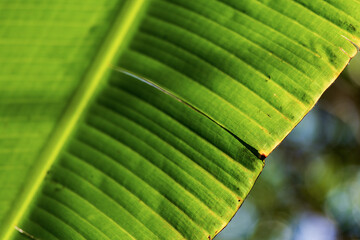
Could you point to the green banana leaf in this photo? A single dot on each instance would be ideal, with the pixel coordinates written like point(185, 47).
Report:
point(151, 119)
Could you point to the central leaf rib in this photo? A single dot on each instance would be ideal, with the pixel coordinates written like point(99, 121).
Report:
point(95, 77)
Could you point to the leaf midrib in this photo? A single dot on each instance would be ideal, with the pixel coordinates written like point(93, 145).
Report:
point(117, 37)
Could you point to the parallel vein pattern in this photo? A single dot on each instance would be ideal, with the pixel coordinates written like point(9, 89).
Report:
point(147, 165)
point(142, 164)
point(45, 49)
point(265, 63)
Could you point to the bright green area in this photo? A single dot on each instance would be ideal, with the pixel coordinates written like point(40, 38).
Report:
point(45, 50)
point(311, 183)
point(88, 153)
point(256, 62)
point(145, 166)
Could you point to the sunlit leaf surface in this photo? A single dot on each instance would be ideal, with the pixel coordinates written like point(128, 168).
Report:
point(88, 151)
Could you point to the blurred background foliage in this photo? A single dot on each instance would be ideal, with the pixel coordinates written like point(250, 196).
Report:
point(310, 187)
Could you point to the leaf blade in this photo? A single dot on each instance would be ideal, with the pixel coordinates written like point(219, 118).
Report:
point(85, 92)
point(187, 171)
